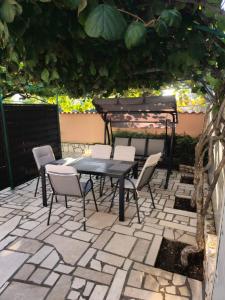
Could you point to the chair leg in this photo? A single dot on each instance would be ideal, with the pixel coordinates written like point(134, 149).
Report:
point(102, 184)
point(35, 193)
point(113, 196)
point(50, 209)
point(93, 194)
point(136, 202)
point(127, 197)
point(149, 187)
point(66, 201)
point(84, 213)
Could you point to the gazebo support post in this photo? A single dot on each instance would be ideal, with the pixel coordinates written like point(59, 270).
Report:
point(170, 158)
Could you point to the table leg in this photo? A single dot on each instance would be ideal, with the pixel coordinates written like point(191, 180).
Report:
point(135, 171)
point(121, 198)
point(43, 186)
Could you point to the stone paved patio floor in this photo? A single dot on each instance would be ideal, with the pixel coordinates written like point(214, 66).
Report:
point(112, 260)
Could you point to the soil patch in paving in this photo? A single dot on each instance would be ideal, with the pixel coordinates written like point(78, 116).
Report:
point(169, 259)
point(184, 204)
point(187, 179)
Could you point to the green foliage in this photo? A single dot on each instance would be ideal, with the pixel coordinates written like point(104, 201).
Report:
point(172, 17)
point(78, 45)
point(105, 21)
point(9, 9)
point(135, 34)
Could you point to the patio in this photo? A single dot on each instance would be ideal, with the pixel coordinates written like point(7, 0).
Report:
point(111, 260)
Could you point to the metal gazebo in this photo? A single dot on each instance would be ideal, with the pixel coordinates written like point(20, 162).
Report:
point(140, 112)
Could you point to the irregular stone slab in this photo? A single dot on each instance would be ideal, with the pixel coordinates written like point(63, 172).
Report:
point(83, 235)
point(24, 272)
point(26, 245)
point(87, 257)
point(61, 288)
point(179, 279)
point(110, 258)
point(61, 268)
point(102, 240)
point(40, 255)
point(181, 212)
point(123, 229)
point(153, 271)
point(39, 275)
point(117, 285)
point(92, 275)
point(70, 249)
point(78, 283)
point(88, 288)
point(9, 226)
point(101, 220)
point(142, 294)
point(177, 226)
point(173, 297)
point(135, 278)
point(24, 291)
point(51, 260)
point(99, 292)
point(40, 229)
point(196, 288)
point(29, 225)
point(153, 251)
point(151, 283)
point(5, 211)
point(121, 244)
point(10, 261)
point(7, 241)
point(140, 250)
point(51, 279)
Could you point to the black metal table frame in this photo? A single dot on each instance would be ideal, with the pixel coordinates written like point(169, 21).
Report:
point(133, 166)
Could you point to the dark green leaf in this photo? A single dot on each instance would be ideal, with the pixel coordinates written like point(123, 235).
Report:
point(161, 28)
point(135, 34)
point(105, 21)
point(172, 17)
point(103, 72)
point(82, 5)
point(45, 75)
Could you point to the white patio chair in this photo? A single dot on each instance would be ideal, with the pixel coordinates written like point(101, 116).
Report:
point(135, 185)
point(42, 156)
point(126, 153)
point(102, 152)
point(65, 182)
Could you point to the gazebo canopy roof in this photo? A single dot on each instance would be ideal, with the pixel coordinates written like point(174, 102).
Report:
point(153, 104)
point(152, 109)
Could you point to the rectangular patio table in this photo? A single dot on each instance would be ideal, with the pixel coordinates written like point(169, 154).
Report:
point(99, 167)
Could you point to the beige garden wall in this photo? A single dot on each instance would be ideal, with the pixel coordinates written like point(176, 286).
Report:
point(89, 127)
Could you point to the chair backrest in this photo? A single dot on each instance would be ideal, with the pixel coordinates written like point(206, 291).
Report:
point(64, 180)
point(121, 141)
point(147, 170)
point(43, 155)
point(140, 145)
point(101, 151)
point(155, 146)
point(126, 153)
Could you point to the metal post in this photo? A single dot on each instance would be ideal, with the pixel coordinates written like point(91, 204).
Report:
point(59, 134)
point(6, 143)
point(170, 158)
